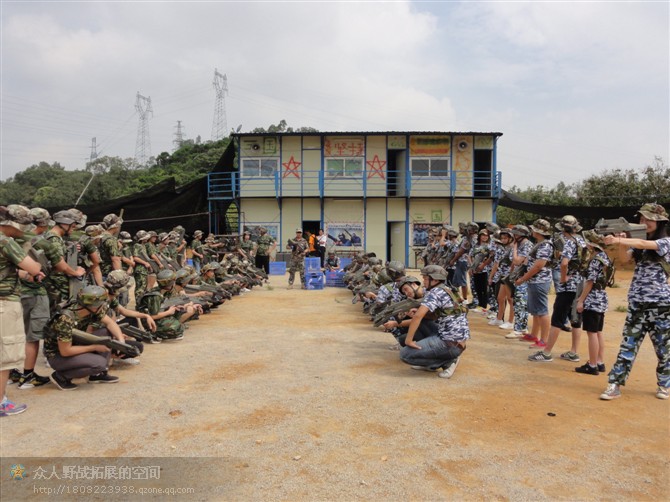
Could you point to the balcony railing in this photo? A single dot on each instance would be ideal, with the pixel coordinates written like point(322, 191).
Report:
point(303, 183)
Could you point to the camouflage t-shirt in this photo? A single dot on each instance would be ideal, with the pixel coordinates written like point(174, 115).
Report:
point(503, 257)
point(150, 303)
point(44, 246)
point(264, 243)
point(11, 254)
point(596, 300)
point(59, 328)
point(453, 328)
point(650, 282)
point(57, 282)
point(571, 250)
point(541, 251)
point(109, 247)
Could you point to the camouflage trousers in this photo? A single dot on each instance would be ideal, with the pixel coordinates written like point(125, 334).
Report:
point(140, 277)
point(653, 319)
point(493, 299)
point(169, 327)
point(475, 301)
point(296, 266)
point(521, 307)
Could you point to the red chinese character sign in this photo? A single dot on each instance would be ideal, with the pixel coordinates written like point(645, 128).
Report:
point(376, 167)
point(291, 167)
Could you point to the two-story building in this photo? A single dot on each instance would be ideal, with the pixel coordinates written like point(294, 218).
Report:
point(378, 191)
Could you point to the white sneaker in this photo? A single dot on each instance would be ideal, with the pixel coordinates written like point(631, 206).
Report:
point(661, 392)
point(449, 370)
point(492, 315)
point(506, 325)
point(422, 368)
point(495, 322)
point(133, 361)
point(514, 335)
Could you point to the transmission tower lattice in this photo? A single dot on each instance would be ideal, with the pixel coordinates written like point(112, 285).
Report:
point(143, 143)
point(220, 123)
point(94, 150)
point(178, 140)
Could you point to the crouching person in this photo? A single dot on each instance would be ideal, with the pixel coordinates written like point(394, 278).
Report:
point(65, 356)
point(443, 349)
point(168, 326)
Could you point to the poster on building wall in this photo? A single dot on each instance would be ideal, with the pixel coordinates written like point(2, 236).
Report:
point(420, 232)
point(345, 234)
point(429, 146)
point(340, 146)
point(272, 228)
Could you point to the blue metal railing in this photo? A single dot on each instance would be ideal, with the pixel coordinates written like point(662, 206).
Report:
point(318, 184)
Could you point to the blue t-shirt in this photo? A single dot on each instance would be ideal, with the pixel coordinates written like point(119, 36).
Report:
point(650, 282)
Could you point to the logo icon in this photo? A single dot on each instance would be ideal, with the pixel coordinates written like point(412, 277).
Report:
point(17, 472)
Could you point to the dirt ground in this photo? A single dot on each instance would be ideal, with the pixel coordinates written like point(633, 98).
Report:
point(293, 395)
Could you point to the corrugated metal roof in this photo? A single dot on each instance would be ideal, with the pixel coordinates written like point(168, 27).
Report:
point(369, 133)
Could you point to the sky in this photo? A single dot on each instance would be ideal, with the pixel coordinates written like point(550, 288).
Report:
point(575, 87)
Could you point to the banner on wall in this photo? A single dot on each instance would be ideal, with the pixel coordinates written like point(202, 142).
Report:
point(346, 234)
point(420, 232)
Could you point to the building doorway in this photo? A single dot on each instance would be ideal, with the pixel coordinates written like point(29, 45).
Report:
point(395, 241)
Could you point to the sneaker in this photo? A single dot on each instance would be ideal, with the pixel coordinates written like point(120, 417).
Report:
point(514, 335)
point(540, 357)
point(131, 361)
point(155, 339)
point(290, 286)
point(611, 392)
point(14, 376)
point(448, 372)
point(587, 369)
point(32, 379)
point(506, 325)
point(103, 377)
point(495, 322)
point(8, 408)
point(61, 382)
point(601, 367)
point(394, 347)
point(529, 338)
point(662, 392)
point(492, 315)
point(422, 368)
point(538, 345)
point(570, 356)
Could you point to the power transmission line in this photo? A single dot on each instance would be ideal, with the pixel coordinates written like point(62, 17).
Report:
point(143, 143)
point(220, 123)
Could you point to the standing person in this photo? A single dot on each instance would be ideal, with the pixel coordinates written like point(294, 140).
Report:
point(110, 254)
point(481, 256)
point(321, 242)
point(451, 330)
point(520, 251)
point(14, 221)
point(592, 303)
point(502, 263)
point(247, 246)
point(460, 259)
point(266, 245)
point(648, 300)
point(196, 250)
point(299, 249)
point(311, 241)
point(538, 278)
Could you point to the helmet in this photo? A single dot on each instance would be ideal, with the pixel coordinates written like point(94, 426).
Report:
point(92, 296)
point(542, 227)
point(17, 216)
point(395, 270)
point(151, 234)
point(162, 236)
point(492, 227)
point(198, 233)
point(182, 276)
point(111, 221)
point(409, 279)
point(568, 224)
point(654, 212)
point(521, 230)
point(117, 279)
point(434, 272)
point(208, 267)
point(472, 226)
point(383, 277)
point(374, 261)
point(65, 217)
point(79, 216)
point(484, 231)
point(594, 239)
point(506, 231)
point(141, 235)
point(41, 217)
point(125, 237)
point(166, 277)
point(93, 230)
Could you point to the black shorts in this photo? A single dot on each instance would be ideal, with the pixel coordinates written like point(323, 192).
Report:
point(593, 321)
point(562, 308)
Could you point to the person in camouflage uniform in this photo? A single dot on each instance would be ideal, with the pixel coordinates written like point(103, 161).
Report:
point(89, 257)
point(299, 250)
point(152, 254)
point(247, 246)
point(71, 360)
point(502, 263)
point(266, 244)
point(14, 221)
point(648, 301)
point(520, 251)
point(197, 252)
point(168, 326)
point(110, 254)
point(142, 264)
point(127, 294)
point(58, 282)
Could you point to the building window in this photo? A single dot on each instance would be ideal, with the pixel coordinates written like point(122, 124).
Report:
point(344, 167)
point(430, 166)
point(263, 167)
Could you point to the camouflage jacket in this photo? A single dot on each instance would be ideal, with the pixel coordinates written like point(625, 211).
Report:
point(59, 328)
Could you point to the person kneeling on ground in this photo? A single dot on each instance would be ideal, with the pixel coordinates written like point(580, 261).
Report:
point(70, 360)
point(168, 326)
point(444, 348)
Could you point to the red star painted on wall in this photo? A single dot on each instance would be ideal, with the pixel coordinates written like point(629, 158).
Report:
point(291, 167)
point(376, 167)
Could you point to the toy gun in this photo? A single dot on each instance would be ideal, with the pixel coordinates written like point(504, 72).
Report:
point(217, 292)
point(395, 309)
point(136, 333)
point(72, 259)
point(178, 302)
point(621, 225)
point(516, 272)
point(39, 256)
point(84, 338)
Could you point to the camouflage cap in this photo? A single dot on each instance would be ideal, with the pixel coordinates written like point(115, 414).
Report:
point(117, 279)
point(542, 227)
point(163, 236)
point(65, 217)
point(521, 230)
point(141, 235)
point(125, 237)
point(41, 217)
point(654, 212)
point(92, 296)
point(472, 226)
point(111, 221)
point(183, 276)
point(198, 233)
point(492, 227)
point(79, 217)
point(17, 216)
point(208, 267)
point(166, 277)
point(506, 231)
point(568, 223)
point(298, 230)
point(94, 230)
point(594, 239)
point(152, 233)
